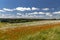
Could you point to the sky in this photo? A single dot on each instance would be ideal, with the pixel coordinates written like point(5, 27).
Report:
point(42, 9)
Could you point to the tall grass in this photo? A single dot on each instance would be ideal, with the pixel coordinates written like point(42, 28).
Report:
point(30, 32)
point(48, 34)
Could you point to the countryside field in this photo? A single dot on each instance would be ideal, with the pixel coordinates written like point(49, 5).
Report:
point(36, 30)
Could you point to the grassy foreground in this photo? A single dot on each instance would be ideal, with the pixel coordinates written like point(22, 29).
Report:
point(37, 32)
point(49, 34)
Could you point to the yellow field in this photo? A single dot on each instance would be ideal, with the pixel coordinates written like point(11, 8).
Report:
point(39, 30)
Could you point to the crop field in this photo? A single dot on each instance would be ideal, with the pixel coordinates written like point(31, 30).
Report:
point(36, 30)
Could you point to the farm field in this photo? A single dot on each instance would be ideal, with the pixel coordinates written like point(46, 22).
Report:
point(37, 30)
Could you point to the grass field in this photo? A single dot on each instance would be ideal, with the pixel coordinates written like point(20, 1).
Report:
point(39, 30)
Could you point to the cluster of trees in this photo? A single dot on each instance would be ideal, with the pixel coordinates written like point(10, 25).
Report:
point(18, 20)
point(21, 20)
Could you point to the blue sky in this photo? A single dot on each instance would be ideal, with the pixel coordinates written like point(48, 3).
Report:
point(45, 9)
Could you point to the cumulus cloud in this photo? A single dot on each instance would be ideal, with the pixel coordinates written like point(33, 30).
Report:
point(49, 14)
point(33, 8)
point(45, 9)
point(19, 9)
point(6, 9)
point(7, 16)
point(19, 14)
point(41, 13)
point(2, 16)
point(37, 13)
point(26, 9)
point(29, 15)
point(2, 11)
point(34, 13)
point(22, 8)
point(58, 12)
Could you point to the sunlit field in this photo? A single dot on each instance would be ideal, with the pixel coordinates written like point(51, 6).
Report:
point(36, 30)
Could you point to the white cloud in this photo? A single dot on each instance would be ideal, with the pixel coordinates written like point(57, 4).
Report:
point(19, 14)
point(19, 9)
point(34, 13)
point(37, 13)
point(6, 9)
point(41, 13)
point(7, 16)
point(49, 14)
point(58, 12)
point(30, 15)
point(26, 9)
point(45, 9)
point(27, 15)
point(33, 8)
point(22, 9)
point(2, 11)
point(2, 16)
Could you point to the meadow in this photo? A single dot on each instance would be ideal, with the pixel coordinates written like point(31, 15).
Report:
point(37, 30)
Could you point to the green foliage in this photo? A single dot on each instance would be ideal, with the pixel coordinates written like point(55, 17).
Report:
point(18, 20)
